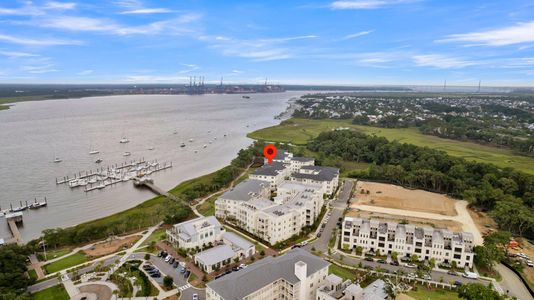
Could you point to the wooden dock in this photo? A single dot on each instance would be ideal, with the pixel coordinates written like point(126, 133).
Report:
point(155, 189)
point(12, 220)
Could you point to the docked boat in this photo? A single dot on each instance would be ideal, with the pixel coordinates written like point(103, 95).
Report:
point(36, 205)
point(205, 146)
point(99, 160)
point(151, 148)
point(126, 153)
point(124, 140)
point(57, 160)
point(92, 152)
point(182, 145)
point(190, 140)
point(245, 97)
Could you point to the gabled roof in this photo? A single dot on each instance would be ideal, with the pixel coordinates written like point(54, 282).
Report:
point(191, 227)
point(238, 285)
point(215, 255)
point(270, 170)
point(246, 190)
point(320, 173)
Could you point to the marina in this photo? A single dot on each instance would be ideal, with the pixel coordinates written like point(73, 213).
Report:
point(103, 177)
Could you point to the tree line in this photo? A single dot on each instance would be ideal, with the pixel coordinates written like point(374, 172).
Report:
point(506, 193)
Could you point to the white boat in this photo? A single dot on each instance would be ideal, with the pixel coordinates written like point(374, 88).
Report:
point(57, 160)
point(94, 152)
point(151, 148)
point(124, 140)
point(126, 153)
point(190, 140)
point(204, 146)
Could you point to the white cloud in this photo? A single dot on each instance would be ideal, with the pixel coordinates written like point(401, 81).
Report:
point(37, 42)
point(258, 49)
point(356, 35)
point(190, 68)
point(440, 61)
point(85, 72)
point(365, 4)
point(142, 11)
point(39, 69)
point(109, 26)
point(517, 34)
point(60, 5)
point(15, 54)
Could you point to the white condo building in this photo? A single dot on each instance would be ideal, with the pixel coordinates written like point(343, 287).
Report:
point(294, 275)
point(334, 288)
point(199, 232)
point(405, 239)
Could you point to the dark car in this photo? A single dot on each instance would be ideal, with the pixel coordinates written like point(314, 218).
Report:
point(175, 264)
point(155, 275)
point(295, 246)
point(219, 276)
point(394, 263)
point(236, 268)
point(160, 253)
point(457, 283)
point(381, 261)
point(186, 274)
point(452, 273)
point(367, 258)
point(164, 254)
point(228, 272)
point(171, 261)
point(319, 234)
point(147, 267)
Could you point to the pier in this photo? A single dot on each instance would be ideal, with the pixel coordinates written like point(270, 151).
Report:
point(12, 220)
point(149, 183)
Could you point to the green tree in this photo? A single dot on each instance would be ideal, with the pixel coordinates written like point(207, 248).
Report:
point(13, 279)
point(147, 256)
point(167, 282)
point(477, 291)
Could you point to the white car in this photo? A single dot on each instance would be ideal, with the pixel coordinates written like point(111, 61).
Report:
point(168, 258)
point(407, 265)
point(303, 243)
point(242, 266)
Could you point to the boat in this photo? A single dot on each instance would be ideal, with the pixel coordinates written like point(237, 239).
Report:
point(151, 148)
point(190, 140)
point(36, 205)
point(205, 146)
point(175, 132)
point(99, 160)
point(246, 97)
point(57, 160)
point(182, 145)
point(126, 153)
point(196, 151)
point(124, 140)
point(225, 135)
point(101, 186)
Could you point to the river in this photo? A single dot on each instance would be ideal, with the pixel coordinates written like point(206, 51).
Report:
point(33, 133)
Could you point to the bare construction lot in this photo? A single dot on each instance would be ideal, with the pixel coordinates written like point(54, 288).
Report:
point(396, 203)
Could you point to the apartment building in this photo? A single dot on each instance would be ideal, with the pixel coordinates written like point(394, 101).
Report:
point(334, 288)
point(294, 275)
point(327, 177)
point(199, 232)
point(274, 173)
point(406, 239)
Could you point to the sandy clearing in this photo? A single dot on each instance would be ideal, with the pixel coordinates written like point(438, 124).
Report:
point(463, 216)
point(105, 248)
point(393, 196)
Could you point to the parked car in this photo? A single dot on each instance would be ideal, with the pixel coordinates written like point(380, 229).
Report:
point(381, 261)
point(452, 273)
point(175, 264)
point(319, 235)
point(411, 275)
point(235, 269)
point(427, 277)
point(471, 275)
point(303, 243)
point(195, 296)
point(172, 260)
point(168, 258)
point(394, 263)
point(242, 266)
point(160, 254)
point(186, 274)
point(457, 283)
point(155, 275)
point(295, 246)
point(183, 270)
point(367, 258)
point(408, 265)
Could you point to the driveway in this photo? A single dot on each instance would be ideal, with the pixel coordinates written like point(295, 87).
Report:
point(511, 283)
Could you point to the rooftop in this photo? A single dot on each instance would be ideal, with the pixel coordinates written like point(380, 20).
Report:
point(238, 285)
point(245, 190)
point(215, 255)
point(191, 227)
point(237, 241)
point(270, 170)
point(318, 173)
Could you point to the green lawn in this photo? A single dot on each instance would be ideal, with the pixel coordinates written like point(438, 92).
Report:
point(299, 131)
point(157, 235)
point(423, 293)
point(51, 254)
point(67, 262)
point(57, 292)
point(207, 208)
point(32, 274)
point(343, 272)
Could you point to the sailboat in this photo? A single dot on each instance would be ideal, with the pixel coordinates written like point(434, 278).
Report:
point(124, 140)
point(93, 151)
point(57, 160)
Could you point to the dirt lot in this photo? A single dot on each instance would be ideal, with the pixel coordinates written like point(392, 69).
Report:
point(108, 247)
point(393, 196)
point(528, 249)
point(446, 224)
point(102, 292)
point(484, 223)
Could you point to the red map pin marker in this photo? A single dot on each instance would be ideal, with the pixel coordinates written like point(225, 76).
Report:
point(269, 152)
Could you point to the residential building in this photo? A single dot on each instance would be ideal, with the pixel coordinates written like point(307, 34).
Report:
point(327, 177)
point(199, 232)
point(274, 173)
point(406, 239)
point(294, 275)
point(242, 247)
point(334, 288)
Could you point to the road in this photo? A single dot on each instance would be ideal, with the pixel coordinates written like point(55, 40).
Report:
point(512, 284)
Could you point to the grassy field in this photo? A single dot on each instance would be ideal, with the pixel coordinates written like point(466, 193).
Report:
point(157, 235)
point(57, 292)
point(342, 272)
point(207, 208)
point(53, 253)
point(299, 131)
point(423, 293)
point(67, 262)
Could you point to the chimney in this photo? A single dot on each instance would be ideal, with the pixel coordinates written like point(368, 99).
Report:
point(301, 271)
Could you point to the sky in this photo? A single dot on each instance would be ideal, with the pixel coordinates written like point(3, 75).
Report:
point(332, 42)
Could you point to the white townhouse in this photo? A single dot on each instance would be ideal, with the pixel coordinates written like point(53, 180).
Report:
point(327, 177)
point(334, 288)
point(295, 275)
point(199, 232)
point(228, 204)
point(275, 174)
point(405, 239)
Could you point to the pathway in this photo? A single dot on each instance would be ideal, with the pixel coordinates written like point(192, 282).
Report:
point(512, 284)
point(36, 265)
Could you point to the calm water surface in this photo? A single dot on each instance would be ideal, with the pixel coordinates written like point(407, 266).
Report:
point(33, 133)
